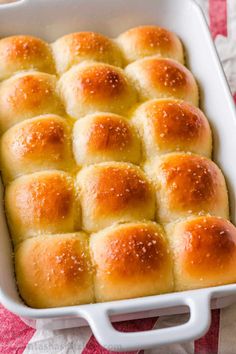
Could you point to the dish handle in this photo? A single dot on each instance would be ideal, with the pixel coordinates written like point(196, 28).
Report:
point(110, 338)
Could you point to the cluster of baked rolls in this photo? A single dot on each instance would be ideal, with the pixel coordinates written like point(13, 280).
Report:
point(111, 192)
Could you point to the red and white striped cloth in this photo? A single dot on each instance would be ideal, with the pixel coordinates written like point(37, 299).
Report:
point(17, 337)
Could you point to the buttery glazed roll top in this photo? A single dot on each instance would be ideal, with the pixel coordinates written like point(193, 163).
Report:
point(162, 78)
point(131, 260)
point(18, 53)
point(114, 192)
point(27, 95)
point(74, 48)
point(168, 125)
point(143, 41)
point(36, 144)
point(204, 252)
point(40, 203)
point(55, 270)
point(104, 137)
point(187, 184)
point(91, 87)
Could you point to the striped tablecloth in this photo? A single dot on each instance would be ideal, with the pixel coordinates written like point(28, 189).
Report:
point(17, 337)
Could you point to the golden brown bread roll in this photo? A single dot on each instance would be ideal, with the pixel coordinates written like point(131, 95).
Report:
point(168, 125)
point(91, 87)
point(187, 184)
point(102, 137)
point(41, 203)
point(27, 95)
point(114, 191)
point(75, 48)
point(131, 260)
point(36, 144)
point(162, 78)
point(18, 53)
point(143, 41)
point(204, 252)
point(55, 270)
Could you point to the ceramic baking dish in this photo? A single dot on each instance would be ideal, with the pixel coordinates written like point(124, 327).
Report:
point(51, 19)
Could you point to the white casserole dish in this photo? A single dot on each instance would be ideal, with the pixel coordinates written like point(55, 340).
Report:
point(52, 19)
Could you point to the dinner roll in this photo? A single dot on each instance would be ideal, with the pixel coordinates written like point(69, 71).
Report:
point(187, 184)
point(131, 260)
point(101, 137)
point(114, 191)
point(91, 87)
point(55, 270)
point(143, 41)
point(18, 53)
point(162, 78)
point(36, 144)
point(74, 48)
point(168, 125)
point(27, 95)
point(40, 203)
point(204, 252)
